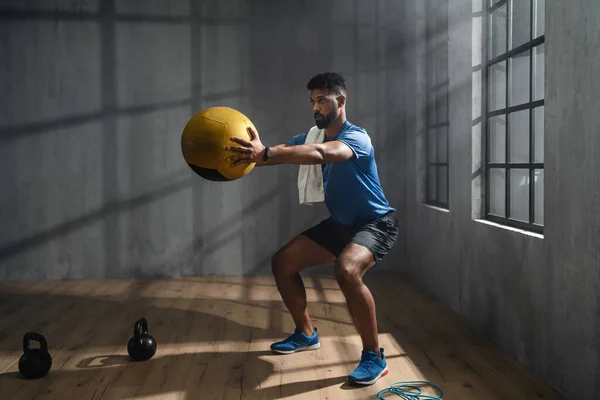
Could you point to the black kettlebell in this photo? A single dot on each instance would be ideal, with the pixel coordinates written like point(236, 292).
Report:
point(141, 346)
point(34, 363)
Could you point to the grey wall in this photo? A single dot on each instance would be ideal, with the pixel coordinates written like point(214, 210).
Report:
point(95, 94)
point(536, 297)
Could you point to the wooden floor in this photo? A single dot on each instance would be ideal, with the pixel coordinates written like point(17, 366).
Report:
point(213, 337)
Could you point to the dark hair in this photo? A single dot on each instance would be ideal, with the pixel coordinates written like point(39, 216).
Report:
point(332, 81)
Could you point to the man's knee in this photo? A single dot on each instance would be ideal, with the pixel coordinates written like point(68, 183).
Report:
point(347, 272)
point(352, 265)
point(281, 263)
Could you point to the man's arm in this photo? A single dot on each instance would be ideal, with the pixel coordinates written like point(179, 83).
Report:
point(307, 154)
point(302, 154)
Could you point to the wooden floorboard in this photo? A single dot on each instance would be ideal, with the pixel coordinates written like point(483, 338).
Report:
point(213, 338)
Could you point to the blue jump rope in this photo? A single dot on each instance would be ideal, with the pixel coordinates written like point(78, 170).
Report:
point(410, 390)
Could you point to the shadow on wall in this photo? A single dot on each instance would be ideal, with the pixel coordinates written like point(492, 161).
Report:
point(91, 145)
point(203, 246)
point(104, 172)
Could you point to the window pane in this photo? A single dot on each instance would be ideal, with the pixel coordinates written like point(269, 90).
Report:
point(498, 32)
point(443, 184)
point(519, 194)
point(497, 88)
point(520, 23)
point(519, 78)
point(538, 138)
point(497, 138)
point(432, 183)
point(519, 136)
point(476, 95)
point(441, 62)
point(442, 144)
point(497, 192)
point(441, 106)
point(431, 145)
point(538, 72)
point(539, 18)
point(430, 110)
point(539, 197)
point(430, 72)
point(476, 41)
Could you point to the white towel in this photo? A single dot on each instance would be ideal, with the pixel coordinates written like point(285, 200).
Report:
point(310, 177)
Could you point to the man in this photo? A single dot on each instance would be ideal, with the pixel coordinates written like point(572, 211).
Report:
point(361, 229)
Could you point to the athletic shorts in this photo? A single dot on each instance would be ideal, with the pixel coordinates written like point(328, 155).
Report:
point(378, 235)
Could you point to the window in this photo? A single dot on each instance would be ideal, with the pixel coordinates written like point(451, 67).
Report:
point(436, 136)
point(513, 106)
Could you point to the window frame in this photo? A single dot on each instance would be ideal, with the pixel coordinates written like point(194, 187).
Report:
point(507, 110)
point(436, 17)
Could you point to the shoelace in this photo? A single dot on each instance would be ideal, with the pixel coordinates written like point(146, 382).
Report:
point(367, 362)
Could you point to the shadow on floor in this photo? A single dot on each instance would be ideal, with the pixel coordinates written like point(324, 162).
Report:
point(198, 375)
point(221, 344)
point(209, 335)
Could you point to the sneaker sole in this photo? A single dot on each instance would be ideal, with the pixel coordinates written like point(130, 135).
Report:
point(304, 348)
point(372, 381)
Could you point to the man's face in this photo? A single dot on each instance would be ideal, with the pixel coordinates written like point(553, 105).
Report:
point(325, 107)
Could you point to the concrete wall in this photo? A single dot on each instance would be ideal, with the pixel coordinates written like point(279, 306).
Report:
point(535, 296)
point(94, 95)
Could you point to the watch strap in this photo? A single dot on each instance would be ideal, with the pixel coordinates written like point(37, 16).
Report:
point(267, 154)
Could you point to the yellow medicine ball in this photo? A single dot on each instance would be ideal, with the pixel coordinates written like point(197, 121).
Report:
point(205, 137)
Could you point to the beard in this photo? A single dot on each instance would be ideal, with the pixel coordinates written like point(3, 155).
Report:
point(326, 120)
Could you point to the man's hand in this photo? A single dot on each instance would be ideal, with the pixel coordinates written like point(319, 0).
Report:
point(249, 151)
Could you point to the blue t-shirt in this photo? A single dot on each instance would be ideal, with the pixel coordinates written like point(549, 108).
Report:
point(353, 192)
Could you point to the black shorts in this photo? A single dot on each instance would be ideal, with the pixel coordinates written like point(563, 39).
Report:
point(378, 236)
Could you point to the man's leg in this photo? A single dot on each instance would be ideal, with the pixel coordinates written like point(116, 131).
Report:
point(299, 254)
point(368, 245)
point(352, 265)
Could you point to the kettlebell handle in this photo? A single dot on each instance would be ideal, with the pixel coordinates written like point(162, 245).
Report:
point(29, 336)
point(141, 328)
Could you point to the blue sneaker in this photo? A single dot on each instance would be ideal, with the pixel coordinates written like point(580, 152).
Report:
point(370, 368)
point(297, 342)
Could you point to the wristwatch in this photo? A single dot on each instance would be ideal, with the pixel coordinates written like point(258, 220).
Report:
point(267, 153)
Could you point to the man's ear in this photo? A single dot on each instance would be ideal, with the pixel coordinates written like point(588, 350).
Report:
point(341, 99)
